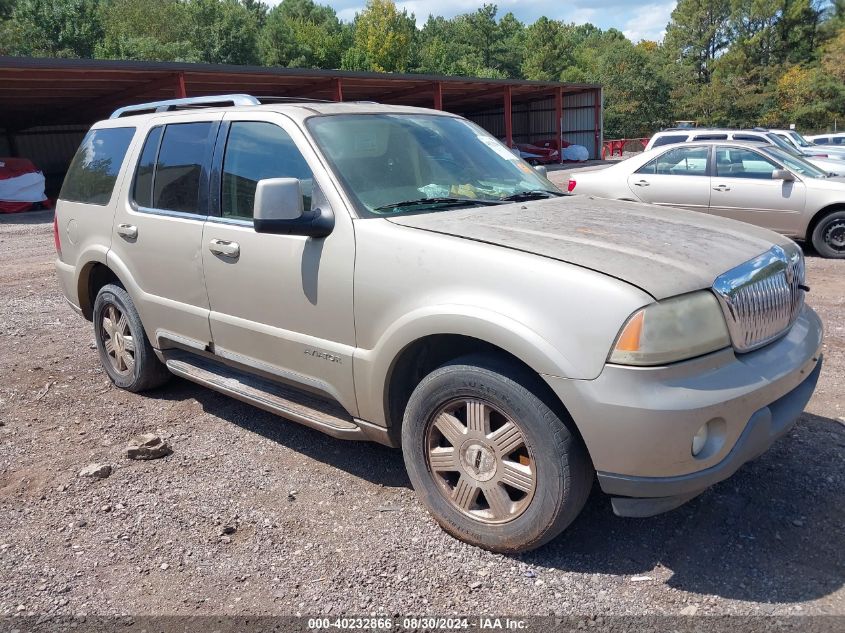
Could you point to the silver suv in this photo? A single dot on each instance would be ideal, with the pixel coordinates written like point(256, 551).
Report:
point(396, 274)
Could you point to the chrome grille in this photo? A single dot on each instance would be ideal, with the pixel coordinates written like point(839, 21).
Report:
point(762, 297)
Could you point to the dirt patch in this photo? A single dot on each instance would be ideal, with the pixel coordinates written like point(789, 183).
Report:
point(252, 514)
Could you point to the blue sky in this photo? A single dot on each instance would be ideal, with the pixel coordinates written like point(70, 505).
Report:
point(638, 19)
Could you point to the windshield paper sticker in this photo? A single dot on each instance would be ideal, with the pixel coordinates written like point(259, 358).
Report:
point(497, 147)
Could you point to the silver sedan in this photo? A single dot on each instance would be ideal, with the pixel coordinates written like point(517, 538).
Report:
point(759, 184)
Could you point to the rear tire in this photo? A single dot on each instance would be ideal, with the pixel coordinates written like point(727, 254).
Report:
point(492, 462)
point(125, 351)
point(829, 235)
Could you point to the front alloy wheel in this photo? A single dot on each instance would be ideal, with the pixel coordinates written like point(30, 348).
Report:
point(492, 456)
point(480, 459)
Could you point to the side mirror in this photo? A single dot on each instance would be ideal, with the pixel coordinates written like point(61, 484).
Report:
point(783, 174)
point(541, 169)
point(278, 209)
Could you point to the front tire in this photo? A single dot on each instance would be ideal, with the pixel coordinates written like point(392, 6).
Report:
point(492, 462)
point(125, 351)
point(829, 236)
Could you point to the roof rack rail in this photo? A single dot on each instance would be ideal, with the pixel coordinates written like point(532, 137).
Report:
point(187, 103)
point(271, 99)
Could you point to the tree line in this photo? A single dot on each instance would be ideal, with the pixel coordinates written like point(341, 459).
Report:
point(722, 62)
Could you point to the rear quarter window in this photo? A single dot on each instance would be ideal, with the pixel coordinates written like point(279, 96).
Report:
point(669, 140)
point(93, 170)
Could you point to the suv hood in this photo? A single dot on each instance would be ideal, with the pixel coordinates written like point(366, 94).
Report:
point(663, 251)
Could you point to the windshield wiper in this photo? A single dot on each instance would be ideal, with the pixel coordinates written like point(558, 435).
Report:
point(535, 194)
point(442, 201)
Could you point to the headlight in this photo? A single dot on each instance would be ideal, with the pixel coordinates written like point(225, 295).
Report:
point(672, 330)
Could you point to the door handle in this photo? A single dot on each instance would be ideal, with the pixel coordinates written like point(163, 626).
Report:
point(722, 188)
point(225, 248)
point(128, 231)
point(642, 183)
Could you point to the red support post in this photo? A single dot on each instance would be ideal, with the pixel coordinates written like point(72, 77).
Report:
point(508, 117)
point(337, 89)
point(559, 122)
point(438, 95)
point(181, 92)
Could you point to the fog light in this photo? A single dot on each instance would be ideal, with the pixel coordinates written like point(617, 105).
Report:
point(699, 440)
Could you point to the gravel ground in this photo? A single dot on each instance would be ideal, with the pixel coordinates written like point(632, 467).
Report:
point(252, 514)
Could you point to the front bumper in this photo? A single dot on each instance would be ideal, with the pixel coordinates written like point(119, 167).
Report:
point(638, 423)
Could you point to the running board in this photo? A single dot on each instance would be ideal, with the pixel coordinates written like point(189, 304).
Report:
point(305, 408)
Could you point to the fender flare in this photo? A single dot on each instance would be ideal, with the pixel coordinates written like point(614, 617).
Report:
point(373, 368)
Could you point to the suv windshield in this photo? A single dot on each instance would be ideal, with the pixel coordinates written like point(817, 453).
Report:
point(404, 163)
point(794, 163)
point(777, 140)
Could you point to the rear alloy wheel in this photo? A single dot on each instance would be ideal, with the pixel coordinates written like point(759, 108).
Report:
point(125, 351)
point(829, 236)
point(492, 462)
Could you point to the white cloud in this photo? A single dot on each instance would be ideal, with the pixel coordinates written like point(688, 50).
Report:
point(649, 23)
point(348, 14)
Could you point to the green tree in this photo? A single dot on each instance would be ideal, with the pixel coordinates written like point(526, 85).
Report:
point(636, 94)
point(481, 32)
point(303, 34)
point(258, 9)
point(444, 47)
point(697, 34)
point(6, 7)
point(548, 55)
point(383, 35)
point(146, 30)
point(223, 31)
point(438, 48)
point(509, 55)
point(56, 28)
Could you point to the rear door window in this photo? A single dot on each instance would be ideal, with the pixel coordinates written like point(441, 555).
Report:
point(179, 166)
point(93, 170)
point(681, 161)
point(710, 137)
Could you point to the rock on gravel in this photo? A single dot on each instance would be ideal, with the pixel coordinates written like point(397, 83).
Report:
point(96, 471)
point(147, 446)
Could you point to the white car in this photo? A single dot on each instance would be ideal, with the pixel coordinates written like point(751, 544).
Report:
point(834, 138)
point(759, 184)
